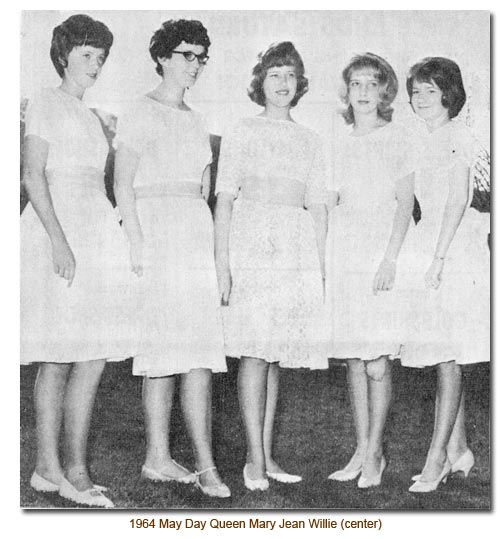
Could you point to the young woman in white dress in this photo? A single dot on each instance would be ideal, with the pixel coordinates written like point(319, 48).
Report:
point(270, 228)
point(371, 207)
point(449, 314)
point(74, 281)
point(162, 175)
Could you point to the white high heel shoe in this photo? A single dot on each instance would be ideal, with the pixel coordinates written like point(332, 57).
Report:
point(430, 486)
point(254, 484)
point(463, 464)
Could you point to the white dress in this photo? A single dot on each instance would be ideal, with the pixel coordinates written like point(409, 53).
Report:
point(91, 319)
point(179, 315)
point(363, 325)
point(452, 322)
point(275, 170)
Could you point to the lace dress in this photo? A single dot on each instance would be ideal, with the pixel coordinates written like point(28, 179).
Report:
point(275, 170)
point(364, 325)
point(91, 319)
point(179, 312)
point(452, 322)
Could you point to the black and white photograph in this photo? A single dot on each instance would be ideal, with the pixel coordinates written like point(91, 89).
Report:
point(255, 262)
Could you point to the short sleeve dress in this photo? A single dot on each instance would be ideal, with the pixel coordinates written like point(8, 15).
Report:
point(179, 312)
point(275, 170)
point(91, 319)
point(363, 325)
point(451, 323)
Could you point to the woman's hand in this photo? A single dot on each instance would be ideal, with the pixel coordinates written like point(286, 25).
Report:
point(137, 256)
point(224, 280)
point(434, 274)
point(385, 276)
point(63, 260)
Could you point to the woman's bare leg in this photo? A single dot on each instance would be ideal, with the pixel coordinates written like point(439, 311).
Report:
point(357, 383)
point(448, 402)
point(49, 398)
point(157, 399)
point(196, 400)
point(457, 445)
point(379, 397)
point(252, 391)
point(79, 400)
point(273, 378)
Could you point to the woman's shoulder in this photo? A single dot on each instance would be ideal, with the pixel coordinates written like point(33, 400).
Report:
point(137, 105)
point(44, 98)
point(460, 133)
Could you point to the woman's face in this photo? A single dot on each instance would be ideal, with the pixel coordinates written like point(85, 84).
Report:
point(179, 69)
point(280, 86)
point(84, 65)
point(364, 91)
point(426, 100)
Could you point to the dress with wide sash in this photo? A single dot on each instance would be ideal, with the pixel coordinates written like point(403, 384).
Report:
point(179, 313)
point(275, 170)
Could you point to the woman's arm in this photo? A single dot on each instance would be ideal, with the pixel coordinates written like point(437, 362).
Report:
point(223, 214)
point(456, 203)
point(36, 151)
point(386, 273)
point(126, 163)
point(205, 183)
point(319, 214)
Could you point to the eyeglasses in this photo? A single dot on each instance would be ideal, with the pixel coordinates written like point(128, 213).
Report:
point(190, 56)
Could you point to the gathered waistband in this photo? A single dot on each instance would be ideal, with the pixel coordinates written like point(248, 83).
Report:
point(86, 177)
point(181, 188)
point(274, 190)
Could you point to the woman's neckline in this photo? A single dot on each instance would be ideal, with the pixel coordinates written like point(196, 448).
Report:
point(165, 105)
point(291, 122)
point(370, 133)
point(71, 96)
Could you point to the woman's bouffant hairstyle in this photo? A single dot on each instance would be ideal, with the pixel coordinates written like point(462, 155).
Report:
point(384, 74)
point(445, 74)
point(277, 55)
point(78, 31)
point(171, 34)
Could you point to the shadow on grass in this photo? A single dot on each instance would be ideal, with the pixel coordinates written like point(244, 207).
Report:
point(314, 436)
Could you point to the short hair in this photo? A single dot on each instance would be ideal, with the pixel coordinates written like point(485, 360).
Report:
point(171, 34)
point(279, 54)
point(78, 31)
point(385, 76)
point(445, 74)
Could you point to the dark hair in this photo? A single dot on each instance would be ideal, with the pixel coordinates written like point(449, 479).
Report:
point(446, 75)
point(78, 31)
point(385, 76)
point(277, 55)
point(171, 34)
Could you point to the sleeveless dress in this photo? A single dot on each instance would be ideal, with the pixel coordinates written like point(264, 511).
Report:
point(91, 319)
point(179, 314)
point(452, 322)
point(363, 325)
point(275, 170)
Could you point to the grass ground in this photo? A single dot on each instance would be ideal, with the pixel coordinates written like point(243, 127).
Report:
point(314, 436)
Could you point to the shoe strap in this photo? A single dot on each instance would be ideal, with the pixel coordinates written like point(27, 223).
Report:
point(212, 468)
